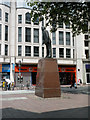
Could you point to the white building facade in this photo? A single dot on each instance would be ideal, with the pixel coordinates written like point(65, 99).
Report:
point(21, 40)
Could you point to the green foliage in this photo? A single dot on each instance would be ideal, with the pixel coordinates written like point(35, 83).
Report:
point(74, 13)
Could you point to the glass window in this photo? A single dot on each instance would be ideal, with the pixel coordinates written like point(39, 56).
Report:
point(54, 38)
point(87, 54)
point(86, 43)
point(6, 49)
point(61, 39)
point(27, 50)
point(60, 25)
point(67, 38)
point(43, 22)
point(0, 49)
point(19, 34)
point(0, 31)
point(68, 53)
point(27, 18)
point(68, 26)
point(27, 34)
point(88, 78)
point(0, 14)
point(19, 50)
point(19, 18)
point(54, 52)
point(36, 21)
point(73, 53)
point(61, 52)
point(36, 51)
point(73, 41)
point(86, 36)
point(42, 51)
point(6, 17)
point(36, 35)
point(6, 33)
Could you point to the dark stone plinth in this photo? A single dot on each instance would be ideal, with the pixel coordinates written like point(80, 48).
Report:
point(47, 81)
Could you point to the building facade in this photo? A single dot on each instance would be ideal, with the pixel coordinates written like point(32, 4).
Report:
point(21, 41)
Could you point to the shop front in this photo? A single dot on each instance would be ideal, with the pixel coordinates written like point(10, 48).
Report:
point(67, 74)
point(6, 70)
point(28, 73)
point(88, 73)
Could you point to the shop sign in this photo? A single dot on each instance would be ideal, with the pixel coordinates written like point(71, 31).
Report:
point(0, 67)
point(5, 68)
point(26, 69)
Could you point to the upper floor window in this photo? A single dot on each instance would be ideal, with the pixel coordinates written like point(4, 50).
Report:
point(6, 33)
point(27, 34)
point(6, 50)
point(42, 51)
point(0, 49)
point(60, 25)
point(19, 50)
point(86, 43)
point(36, 51)
point(27, 50)
point(86, 36)
point(19, 19)
point(0, 14)
point(28, 18)
point(67, 38)
point(36, 22)
point(36, 35)
point(61, 38)
point(61, 52)
point(87, 54)
point(0, 31)
point(54, 52)
point(6, 17)
point(68, 53)
point(19, 34)
point(54, 38)
point(68, 26)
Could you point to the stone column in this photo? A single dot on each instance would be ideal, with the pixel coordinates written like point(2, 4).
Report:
point(12, 37)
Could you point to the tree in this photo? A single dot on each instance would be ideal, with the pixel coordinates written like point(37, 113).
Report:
point(77, 14)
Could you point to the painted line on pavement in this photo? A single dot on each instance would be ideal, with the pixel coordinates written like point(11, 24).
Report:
point(13, 98)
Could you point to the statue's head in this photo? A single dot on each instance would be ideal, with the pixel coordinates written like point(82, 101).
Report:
point(43, 28)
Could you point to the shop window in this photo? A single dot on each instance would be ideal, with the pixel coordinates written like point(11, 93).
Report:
point(19, 50)
point(27, 50)
point(36, 51)
point(19, 34)
point(6, 17)
point(42, 51)
point(54, 38)
point(6, 50)
point(54, 52)
point(68, 53)
point(28, 18)
point(67, 38)
point(61, 38)
point(86, 43)
point(87, 54)
point(61, 52)
point(27, 34)
point(19, 19)
point(36, 35)
point(0, 31)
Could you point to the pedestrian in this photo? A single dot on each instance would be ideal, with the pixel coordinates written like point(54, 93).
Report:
point(27, 85)
point(73, 84)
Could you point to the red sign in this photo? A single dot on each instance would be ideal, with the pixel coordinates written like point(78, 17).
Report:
point(26, 69)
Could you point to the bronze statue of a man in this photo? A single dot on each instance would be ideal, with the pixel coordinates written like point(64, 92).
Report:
point(47, 42)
